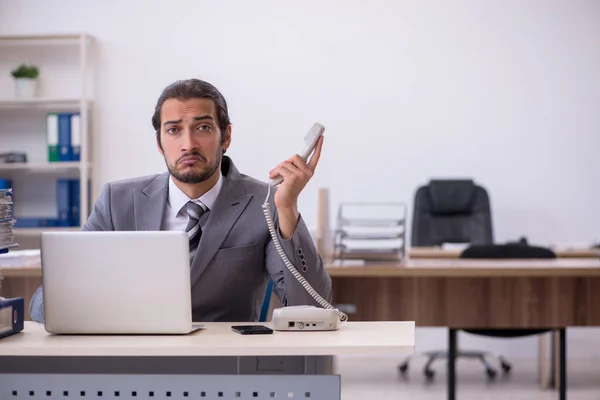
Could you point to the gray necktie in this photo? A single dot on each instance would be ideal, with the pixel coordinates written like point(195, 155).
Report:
point(193, 229)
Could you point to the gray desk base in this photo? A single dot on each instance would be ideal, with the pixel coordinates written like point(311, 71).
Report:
point(219, 378)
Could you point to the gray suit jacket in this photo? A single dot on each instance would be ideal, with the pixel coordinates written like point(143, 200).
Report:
point(236, 254)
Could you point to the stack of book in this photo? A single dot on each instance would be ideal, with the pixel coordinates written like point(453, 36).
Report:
point(370, 232)
point(7, 222)
point(12, 311)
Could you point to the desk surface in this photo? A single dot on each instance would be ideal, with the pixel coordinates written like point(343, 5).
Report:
point(217, 339)
point(438, 252)
point(466, 268)
point(575, 267)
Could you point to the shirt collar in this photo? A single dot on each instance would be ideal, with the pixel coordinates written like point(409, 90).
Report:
point(178, 199)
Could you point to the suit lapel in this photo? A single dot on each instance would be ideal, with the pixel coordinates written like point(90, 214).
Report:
point(150, 204)
point(230, 204)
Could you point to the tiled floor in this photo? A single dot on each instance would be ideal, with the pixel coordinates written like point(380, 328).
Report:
point(378, 379)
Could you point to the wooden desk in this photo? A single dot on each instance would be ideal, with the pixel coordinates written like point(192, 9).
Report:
point(218, 339)
point(438, 252)
point(212, 363)
point(453, 293)
point(21, 282)
point(473, 293)
point(526, 293)
point(476, 294)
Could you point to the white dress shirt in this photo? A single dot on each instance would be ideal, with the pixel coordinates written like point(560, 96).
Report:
point(176, 217)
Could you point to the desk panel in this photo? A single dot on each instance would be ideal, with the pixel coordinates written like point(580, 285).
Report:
point(15, 285)
point(502, 302)
point(170, 386)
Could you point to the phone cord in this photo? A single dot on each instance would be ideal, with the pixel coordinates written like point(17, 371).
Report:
point(273, 231)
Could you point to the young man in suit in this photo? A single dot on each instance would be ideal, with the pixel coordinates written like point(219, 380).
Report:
point(231, 251)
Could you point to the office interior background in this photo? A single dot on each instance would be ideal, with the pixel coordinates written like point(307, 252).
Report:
point(503, 92)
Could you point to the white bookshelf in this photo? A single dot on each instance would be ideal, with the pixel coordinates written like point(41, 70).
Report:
point(45, 103)
point(67, 66)
point(49, 167)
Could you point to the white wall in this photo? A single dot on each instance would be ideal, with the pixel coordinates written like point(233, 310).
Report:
point(506, 92)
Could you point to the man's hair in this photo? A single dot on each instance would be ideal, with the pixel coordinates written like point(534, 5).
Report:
point(193, 89)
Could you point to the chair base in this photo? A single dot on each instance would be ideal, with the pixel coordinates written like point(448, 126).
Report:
point(490, 371)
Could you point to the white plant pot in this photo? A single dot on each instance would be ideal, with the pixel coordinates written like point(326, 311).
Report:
point(25, 88)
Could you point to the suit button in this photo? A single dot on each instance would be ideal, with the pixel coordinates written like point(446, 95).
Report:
point(300, 252)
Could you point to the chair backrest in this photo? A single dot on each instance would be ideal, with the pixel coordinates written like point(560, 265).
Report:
point(451, 211)
point(264, 311)
point(513, 250)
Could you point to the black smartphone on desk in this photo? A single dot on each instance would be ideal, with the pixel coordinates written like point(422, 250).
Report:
point(252, 329)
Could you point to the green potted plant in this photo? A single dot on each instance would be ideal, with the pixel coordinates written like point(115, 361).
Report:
point(26, 80)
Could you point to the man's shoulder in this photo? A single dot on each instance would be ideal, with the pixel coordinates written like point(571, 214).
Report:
point(248, 184)
point(253, 185)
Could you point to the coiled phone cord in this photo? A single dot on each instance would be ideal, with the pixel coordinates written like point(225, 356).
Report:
point(273, 231)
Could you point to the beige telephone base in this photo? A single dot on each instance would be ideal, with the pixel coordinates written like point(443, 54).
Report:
point(305, 318)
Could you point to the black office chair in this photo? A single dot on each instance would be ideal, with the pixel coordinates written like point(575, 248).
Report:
point(449, 211)
point(507, 251)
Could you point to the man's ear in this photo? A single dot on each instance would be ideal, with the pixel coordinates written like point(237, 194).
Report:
point(159, 145)
point(226, 141)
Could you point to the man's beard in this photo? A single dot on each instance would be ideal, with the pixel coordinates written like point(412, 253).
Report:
point(194, 176)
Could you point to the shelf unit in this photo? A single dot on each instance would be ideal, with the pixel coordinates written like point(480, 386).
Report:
point(42, 166)
point(49, 103)
point(81, 76)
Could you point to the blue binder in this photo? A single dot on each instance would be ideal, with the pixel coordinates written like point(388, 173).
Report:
point(12, 315)
point(74, 201)
point(62, 202)
point(64, 138)
point(5, 184)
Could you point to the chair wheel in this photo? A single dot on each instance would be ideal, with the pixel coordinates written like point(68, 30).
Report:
point(491, 373)
point(403, 368)
point(429, 374)
point(506, 366)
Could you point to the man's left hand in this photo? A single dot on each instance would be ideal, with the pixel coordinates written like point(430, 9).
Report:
point(296, 173)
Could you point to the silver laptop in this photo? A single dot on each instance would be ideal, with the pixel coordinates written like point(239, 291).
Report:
point(123, 282)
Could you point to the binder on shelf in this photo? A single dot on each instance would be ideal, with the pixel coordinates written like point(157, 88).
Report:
point(68, 207)
point(75, 137)
point(74, 201)
point(52, 136)
point(5, 184)
point(62, 202)
point(64, 137)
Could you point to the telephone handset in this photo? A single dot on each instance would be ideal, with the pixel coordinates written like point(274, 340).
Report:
point(310, 141)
